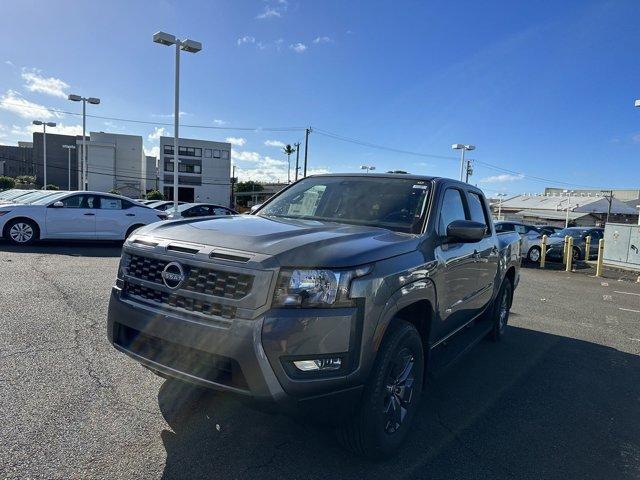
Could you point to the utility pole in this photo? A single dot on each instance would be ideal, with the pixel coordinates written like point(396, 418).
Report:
point(469, 171)
point(297, 145)
point(307, 131)
point(233, 190)
point(610, 199)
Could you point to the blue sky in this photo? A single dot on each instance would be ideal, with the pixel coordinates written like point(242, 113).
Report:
point(542, 88)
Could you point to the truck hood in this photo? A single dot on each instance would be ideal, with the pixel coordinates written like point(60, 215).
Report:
point(290, 242)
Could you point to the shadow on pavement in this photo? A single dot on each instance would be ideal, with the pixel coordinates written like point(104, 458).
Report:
point(533, 406)
point(67, 247)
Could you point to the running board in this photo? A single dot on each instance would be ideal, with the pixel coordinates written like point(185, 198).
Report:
point(446, 354)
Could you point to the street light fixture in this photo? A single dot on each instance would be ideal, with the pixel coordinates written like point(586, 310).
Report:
point(568, 193)
point(44, 146)
point(190, 46)
point(637, 104)
point(69, 148)
point(464, 148)
point(368, 168)
point(84, 171)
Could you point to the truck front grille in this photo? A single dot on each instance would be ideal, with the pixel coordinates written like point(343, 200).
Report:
point(217, 283)
point(178, 301)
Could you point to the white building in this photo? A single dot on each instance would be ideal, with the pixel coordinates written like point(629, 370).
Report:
point(115, 162)
point(150, 174)
point(204, 170)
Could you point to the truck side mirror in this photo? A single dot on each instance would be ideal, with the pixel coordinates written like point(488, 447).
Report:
point(465, 231)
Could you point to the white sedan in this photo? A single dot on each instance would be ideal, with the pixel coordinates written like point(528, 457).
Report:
point(74, 215)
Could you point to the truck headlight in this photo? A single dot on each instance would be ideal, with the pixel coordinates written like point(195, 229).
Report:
point(316, 287)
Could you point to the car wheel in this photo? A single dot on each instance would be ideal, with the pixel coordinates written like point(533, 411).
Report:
point(21, 231)
point(501, 308)
point(576, 254)
point(390, 398)
point(132, 229)
point(534, 254)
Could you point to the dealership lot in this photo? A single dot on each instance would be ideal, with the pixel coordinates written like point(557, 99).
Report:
point(557, 399)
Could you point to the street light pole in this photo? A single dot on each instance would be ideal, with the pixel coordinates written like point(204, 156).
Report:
point(44, 146)
point(568, 192)
point(190, 46)
point(297, 145)
point(500, 197)
point(69, 148)
point(84, 170)
point(307, 131)
point(464, 148)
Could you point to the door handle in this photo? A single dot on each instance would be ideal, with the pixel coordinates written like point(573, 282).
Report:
point(131, 214)
point(89, 214)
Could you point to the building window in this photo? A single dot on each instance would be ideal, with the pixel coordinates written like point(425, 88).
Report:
point(207, 153)
point(216, 154)
point(168, 149)
point(225, 154)
point(198, 152)
point(168, 166)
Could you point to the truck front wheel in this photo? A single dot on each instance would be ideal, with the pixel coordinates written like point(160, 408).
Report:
point(391, 397)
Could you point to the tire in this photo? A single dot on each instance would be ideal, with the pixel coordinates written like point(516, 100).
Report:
point(132, 229)
point(576, 254)
point(533, 255)
point(391, 396)
point(500, 310)
point(21, 231)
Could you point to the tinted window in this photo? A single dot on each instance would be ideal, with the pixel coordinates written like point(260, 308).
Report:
point(476, 209)
point(221, 211)
point(504, 227)
point(452, 209)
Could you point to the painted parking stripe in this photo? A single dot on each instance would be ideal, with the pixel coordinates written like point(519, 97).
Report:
point(627, 293)
point(629, 310)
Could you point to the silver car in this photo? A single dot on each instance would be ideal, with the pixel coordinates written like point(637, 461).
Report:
point(530, 237)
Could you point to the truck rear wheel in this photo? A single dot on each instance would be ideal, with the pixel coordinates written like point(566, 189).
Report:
point(390, 399)
point(500, 311)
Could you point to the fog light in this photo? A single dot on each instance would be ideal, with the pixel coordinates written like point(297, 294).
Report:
point(319, 364)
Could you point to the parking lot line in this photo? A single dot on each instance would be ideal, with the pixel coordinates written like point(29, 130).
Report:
point(627, 293)
point(629, 310)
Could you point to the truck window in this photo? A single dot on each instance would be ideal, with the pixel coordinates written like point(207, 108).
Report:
point(477, 209)
point(452, 209)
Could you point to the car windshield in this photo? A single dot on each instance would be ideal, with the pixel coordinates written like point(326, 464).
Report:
point(572, 232)
point(398, 204)
point(48, 198)
point(15, 194)
point(37, 195)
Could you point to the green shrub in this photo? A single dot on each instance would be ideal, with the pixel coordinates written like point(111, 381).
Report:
point(7, 183)
point(115, 191)
point(155, 195)
point(51, 186)
point(25, 179)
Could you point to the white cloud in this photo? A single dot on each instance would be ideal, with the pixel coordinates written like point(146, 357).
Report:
point(153, 151)
point(9, 62)
point(157, 133)
point(246, 39)
point(219, 122)
point(237, 141)
point(274, 9)
point(244, 156)
point(322, 40)
point(60, 128)
point(35, 82)
point(3, 131)
point(274, 143)
point(269, 12)
point(168, 115)
point(505, 177)
point(13, 102)
point(298, 47)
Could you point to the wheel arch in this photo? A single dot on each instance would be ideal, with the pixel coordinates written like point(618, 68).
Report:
point(10, 221)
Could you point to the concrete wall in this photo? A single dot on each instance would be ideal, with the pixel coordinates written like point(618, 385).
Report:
point(15, 161)
point(115, 161)
point(57, 160)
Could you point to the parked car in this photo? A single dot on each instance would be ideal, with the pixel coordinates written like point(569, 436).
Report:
point(529, 235)
point(328, 300)
point(548, 229)
point(9, 195)
point(163, 205)
point(74, 215)
point(555, 242)
point(33, 195)
point(189, 210)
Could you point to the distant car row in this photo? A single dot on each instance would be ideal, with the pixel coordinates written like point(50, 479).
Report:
point(531, 238)
point(30, 215)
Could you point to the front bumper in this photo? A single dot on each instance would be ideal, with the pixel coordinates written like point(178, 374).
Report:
point(251, 358)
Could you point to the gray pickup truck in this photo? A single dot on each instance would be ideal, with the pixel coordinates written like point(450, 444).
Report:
point(331, 300)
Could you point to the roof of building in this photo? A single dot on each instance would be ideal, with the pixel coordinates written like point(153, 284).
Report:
point(551, 215)
point(576, 203)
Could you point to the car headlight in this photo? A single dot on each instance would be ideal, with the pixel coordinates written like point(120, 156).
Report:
point(316, 287)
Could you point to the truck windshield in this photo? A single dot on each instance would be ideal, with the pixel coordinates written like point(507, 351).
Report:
point(399, 204)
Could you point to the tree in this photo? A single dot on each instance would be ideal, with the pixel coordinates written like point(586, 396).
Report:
point(397, 171)
point(25, 180)
point(288, 150)
point(115, 191)
point(155, 195)
point(246, 187)
point(7, 183)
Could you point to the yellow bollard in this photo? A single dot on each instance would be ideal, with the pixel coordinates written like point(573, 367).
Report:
point(543, 250)
point(587, 248)
point(569, 254)
point(600, 257)
point(564, 251)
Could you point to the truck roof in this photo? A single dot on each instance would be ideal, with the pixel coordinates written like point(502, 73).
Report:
point(379, 175)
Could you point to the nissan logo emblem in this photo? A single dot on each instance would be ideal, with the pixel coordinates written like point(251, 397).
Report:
point(173, 275)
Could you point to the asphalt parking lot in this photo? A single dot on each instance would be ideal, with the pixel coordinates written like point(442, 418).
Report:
point(559, 398)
